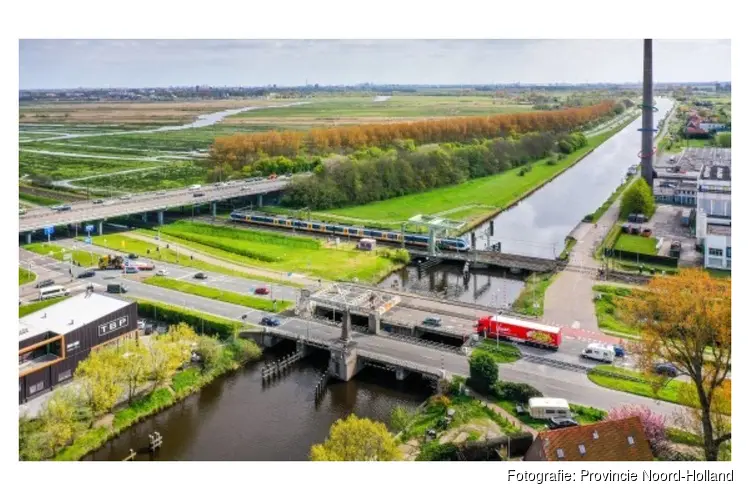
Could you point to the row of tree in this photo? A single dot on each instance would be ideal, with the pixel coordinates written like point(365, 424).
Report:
point(360, 179)
point(242, 149)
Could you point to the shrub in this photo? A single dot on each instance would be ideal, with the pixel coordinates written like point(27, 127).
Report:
point(436, 452)
point(200, 322)
point(483, 371)
point(588, 218)
point(638, 199)
point(515, 391)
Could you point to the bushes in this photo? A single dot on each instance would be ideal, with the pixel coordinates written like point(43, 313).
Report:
point(638, 199)
point(204, 323)
point(515, 391)
point(483, 371)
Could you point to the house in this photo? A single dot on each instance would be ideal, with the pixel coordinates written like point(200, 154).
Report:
point(615, 440)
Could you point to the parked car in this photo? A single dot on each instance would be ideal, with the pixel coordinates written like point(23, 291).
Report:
point(432, 321)
point(199, 194)
point(561, 423)
point(87, 274)
point(263, 290)
point(98, 202)
point(162, 272)
point(45, 283)
point(200, 276)
point(132, 256)
point(270, 321)
point(667, 369)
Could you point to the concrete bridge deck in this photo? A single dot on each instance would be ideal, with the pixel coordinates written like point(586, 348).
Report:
point(493, 258)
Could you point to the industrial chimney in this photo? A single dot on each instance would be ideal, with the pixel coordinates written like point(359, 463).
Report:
point(647, 128)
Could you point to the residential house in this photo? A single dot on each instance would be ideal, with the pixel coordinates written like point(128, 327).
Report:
point(611, 441)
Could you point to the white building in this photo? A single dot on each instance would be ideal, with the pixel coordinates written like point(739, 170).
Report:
point(714, 216)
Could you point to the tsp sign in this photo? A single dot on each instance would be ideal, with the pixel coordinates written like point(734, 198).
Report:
point(89, 228)
point(49, 230)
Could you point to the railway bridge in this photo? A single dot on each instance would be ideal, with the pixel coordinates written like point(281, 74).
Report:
point(493, 258)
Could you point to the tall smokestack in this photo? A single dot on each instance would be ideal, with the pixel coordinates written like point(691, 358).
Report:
point(647, 134)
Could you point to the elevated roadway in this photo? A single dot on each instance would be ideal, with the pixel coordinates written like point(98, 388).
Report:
point(87, 211)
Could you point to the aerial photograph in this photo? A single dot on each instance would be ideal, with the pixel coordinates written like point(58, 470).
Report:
point(277, 250)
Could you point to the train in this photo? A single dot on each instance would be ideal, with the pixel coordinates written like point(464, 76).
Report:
point(520, 330)
point(448, 244)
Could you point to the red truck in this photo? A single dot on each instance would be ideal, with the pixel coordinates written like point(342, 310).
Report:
point(520, 330)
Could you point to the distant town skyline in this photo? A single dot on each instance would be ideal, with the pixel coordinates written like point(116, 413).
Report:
point(65, 64)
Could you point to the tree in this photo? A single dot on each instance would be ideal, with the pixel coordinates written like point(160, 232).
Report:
point(638, 199)
point(99, 380)
point(482, 371)
point(686, 321)
point(245, 350)
point(165, 357)
point(654, 424)
point(134, 367)
point(691, 416)
point(356, 439)
point(58, 418)
point(209, 350)
point(400, 418)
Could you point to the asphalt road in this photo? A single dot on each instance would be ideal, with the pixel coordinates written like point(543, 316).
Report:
point(86, 211)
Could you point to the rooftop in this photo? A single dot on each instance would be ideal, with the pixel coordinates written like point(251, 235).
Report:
point(694, 159)
point(341, 297)
point(716, 173)
point(613, 440)
point(68, 315)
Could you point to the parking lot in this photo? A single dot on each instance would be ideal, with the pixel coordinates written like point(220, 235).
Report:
point(666, 224)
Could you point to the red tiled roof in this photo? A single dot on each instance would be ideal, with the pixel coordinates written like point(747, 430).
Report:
point(602, 441)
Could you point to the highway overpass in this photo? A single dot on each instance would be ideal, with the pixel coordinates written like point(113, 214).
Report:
point(144, 203)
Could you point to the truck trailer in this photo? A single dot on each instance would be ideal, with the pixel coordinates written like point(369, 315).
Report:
point(520, 330)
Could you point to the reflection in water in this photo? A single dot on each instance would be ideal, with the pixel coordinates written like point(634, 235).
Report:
point(238, 418)
point(538, 225)
point(489, 287)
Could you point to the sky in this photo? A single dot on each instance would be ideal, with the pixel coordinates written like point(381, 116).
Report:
point(161, 63)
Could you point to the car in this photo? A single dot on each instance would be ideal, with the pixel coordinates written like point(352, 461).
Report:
point(98, 201)
point(561, 423)
point(432, 321)
point(162, 272)
point(161, 193)
point(198, 194)
point(126, 196)
point(667, 369)
point(244, 188)
point(45, 283)
point(194, 187)
point(200, 276)
point(288, 176)
point(619, 351)
point(131, 270)
point(132, 256)
point(142, 324)
point(87, 274)
point(270, 321)
point(116, 288)
point(263, 290)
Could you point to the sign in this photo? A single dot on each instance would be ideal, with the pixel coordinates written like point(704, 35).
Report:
point(87, 240)
point(112, 326)
point(67, 256)
point(49, 230)
point(89, 228)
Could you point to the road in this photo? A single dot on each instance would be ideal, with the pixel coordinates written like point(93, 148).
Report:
point(550, 380)
point(86, 211)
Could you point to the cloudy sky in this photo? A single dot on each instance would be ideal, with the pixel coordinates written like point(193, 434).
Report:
point(136, 63)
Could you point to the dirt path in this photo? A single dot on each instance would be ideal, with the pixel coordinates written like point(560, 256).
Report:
point(510, 418)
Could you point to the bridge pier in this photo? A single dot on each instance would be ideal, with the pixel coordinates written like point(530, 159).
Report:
point(260, 201)
point(28, 237)
point(213, 209)
point(344, 363)
point(401, 373)
point(160, 217)
point(373, 323)
point(100, 227)
point(144, 216)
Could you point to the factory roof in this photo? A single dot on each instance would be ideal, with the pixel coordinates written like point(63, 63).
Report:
point(716, 173)
point(719, 229)
point(64, 317)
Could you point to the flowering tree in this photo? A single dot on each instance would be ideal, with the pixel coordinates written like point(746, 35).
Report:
point(654, 424)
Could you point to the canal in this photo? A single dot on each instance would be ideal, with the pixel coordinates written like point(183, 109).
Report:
point(538, 225)
point(239, 418)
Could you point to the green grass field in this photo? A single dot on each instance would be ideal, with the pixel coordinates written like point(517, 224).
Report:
point(637, 244)
point(669, 392)
point(610, 313)
point(25, 276)
point(172, 176)
point(281, 252)
point(38, 200)
point(84, 258)
point(208, 292)
point(27, 309)
point(501, 352)
point(124, 243)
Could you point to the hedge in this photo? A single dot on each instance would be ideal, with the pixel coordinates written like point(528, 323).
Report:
point(516, 392)
point(201, 322)
point(640, 257)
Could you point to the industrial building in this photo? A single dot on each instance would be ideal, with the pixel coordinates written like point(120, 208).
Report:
point(714, 217)
point(52, 341)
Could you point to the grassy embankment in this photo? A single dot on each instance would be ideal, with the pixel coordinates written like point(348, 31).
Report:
point(494, 193)
point(637, 244)
point(84, 258)
point(124, 243)
point(38, 200)
point(281, 252)
point(594, 217)
point(208, 292)
point(669, 392)
point(501, 352)
point(610, 314)
point(25, 276)
point(531, 300)
point(27, 309)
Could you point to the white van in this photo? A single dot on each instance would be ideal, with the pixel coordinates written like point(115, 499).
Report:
point(599, 352)
point(53, 291)
point(546, 408)
point(194, 187)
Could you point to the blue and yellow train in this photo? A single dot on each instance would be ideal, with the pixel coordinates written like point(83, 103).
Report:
point(451, 244)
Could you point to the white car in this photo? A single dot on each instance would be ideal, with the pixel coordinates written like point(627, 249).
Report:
point(162, 272)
